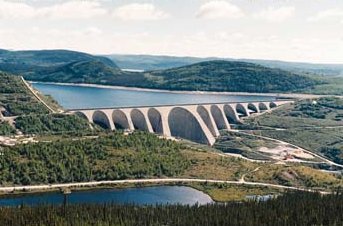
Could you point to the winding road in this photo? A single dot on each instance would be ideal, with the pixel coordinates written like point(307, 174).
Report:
point(141, 181)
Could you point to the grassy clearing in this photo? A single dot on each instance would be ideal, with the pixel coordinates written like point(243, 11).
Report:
point(229, 192)
point(326, 142)
point(295, 175)
point(230, 142)
point(209, 165)
point(322, 112)
point(334, 86)
point(315, 125)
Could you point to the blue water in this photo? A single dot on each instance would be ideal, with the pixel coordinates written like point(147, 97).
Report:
point(141, 196)
point(74, 97)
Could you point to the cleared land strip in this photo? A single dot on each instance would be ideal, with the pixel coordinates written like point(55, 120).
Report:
point(37, 96)
point(138, 181)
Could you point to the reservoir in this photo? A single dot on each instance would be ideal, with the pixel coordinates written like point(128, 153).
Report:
point(140, 196)
point(80, 97)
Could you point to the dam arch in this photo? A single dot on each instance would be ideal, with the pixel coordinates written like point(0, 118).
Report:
point(272, 105)
point(252, 107)
point(155, 119)
point(101, 119)
point(231, 114)
point(183, 123)
point(138, 120)
point(205, 116)
point(81, 115)
point(218, 117)
point(120, 120)
point(262, 106)
point(241, 110)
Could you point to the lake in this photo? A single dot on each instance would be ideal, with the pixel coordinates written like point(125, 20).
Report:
point(140, 196)
point(76, 97)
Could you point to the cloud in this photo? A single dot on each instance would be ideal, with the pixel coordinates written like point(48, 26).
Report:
point(13, 10)
point(219, 9)
point(327, 14)
point(73, 9)
point(275, 14)
point(66, 10)
point(139, 11)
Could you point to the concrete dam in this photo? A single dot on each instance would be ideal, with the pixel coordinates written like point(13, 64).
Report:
point(196, 122)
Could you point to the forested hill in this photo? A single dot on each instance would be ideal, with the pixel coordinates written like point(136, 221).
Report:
point(76, 67)
point(230, 76)
point(155, 62)
point(32, 62)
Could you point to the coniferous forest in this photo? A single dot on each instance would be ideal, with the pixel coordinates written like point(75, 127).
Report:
point(297, 208)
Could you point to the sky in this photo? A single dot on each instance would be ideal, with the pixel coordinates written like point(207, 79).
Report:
point(291, 30)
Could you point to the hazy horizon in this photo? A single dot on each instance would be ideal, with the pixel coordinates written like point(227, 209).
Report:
point(285, 30)
point(164, 55)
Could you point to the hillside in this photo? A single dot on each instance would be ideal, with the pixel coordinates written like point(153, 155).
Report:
point(31, 62)
point(152, 62)
point(75, 67)
point(207, 76)
point(155, 62)
point(230, 76)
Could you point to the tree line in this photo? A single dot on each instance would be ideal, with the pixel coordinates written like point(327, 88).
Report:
point(292, 208)
point(112, 156)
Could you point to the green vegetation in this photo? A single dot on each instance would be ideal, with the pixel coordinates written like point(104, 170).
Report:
point(216, 166)
point(6, 129)
point(296, 175)
point(210, 76)
point(31, 115)
point(316, 125)
point(112, 156)
point(108, 157)
point(30, 62)
point(247, 146)
point(326, 142)
point(75, 67)
point(322, 112)
point(230, 76)
point(16, 99)
point(221, 192)
point(332, 86)
point(52, 123)
point(80, 72)
point(153, 62)
point(297, 208)
point(51, 102)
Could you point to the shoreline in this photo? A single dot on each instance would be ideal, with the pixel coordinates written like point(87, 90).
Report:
point(91, 85)
point(27, 189)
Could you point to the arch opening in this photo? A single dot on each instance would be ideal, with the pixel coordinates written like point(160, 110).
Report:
point(230, 114)
point(138, 120)
point(155, 120)
point(202, 111)
point(183, 123)
point(262, 107)
point(120, 120)
point(252, 108)
point(272, 105)
point(218, 117)
point(101, 119)
point(81, 115)
point(241, 110)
